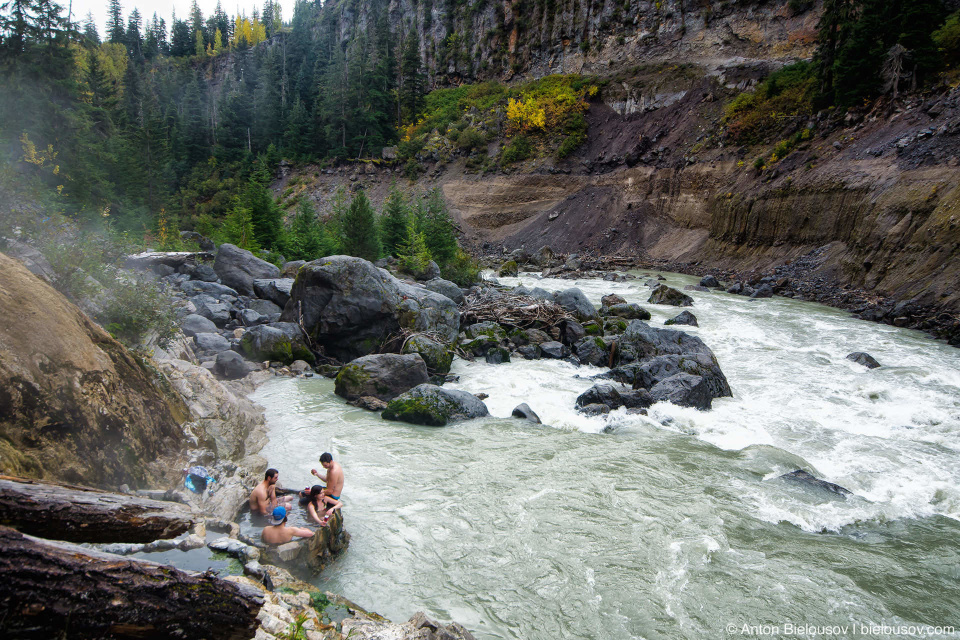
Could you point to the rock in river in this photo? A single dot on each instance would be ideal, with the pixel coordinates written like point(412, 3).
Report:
point(350, 307)
point(685, 317)
point(434, 406)
point(383, 375)
point(280, 341)
point(864, 358)
point(665, 295)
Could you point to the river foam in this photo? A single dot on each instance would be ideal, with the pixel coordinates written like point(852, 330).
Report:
point(669, 525)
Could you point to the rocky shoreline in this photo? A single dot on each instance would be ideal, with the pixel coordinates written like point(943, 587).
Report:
point(798, 279)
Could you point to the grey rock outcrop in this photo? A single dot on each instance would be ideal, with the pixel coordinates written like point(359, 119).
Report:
point(434, 406)
point(350, 307)
point(276, 290)
point(666, 295)
point(626, 310)
point(436, 355)
point(384, 376)
point(685, 317)
point(279, 341)
point(575, 302)
point(194, 323)
point(238, 268)
point(446, 288)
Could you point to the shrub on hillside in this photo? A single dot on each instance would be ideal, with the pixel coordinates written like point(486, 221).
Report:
point(785, 96)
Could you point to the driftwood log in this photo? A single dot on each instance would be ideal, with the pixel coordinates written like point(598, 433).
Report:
point(61, 590)
point(79, 514)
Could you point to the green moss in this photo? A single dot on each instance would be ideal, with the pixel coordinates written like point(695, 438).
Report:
point(432, 412)
point(509, 268)
point(593, 329)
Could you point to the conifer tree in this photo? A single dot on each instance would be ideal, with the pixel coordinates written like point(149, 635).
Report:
point(412, 80)
point(90, 35)
point(115, 27)
point(393, 221)
point(265, 215)
point(413, 255)
point(438, 229)
point(238, 227)
point(359, 229)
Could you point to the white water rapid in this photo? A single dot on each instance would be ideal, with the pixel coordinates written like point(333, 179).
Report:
point(672, 525)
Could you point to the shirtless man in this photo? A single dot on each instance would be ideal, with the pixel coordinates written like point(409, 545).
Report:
point(264, 497)
point(279, 533)
point(333, 477)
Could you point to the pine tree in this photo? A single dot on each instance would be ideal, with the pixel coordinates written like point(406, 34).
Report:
point(181, 39)
point(412, 80)
point(359, 229)
point(413, 256)
point(393, 221)
point(134, 37)
point(90, 35)
point(438, 229)
point(265, 214)
point(238, 227)
point(115, 27)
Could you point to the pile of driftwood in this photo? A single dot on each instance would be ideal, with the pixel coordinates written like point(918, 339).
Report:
point(512, 310)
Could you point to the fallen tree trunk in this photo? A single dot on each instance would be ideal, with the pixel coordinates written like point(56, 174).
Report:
point(79, 514)
point(58, 589)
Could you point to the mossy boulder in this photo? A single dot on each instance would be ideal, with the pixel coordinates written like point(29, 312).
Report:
point(627, 310)
point(383, 375)
point(665, 295)
point(434, 406)
point(278, 342)
point(436, 355)
point(509, 268)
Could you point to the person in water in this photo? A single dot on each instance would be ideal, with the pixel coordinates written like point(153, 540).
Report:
point(333, 476)
point(264, 496)
point(279, 533)
point(321, 506)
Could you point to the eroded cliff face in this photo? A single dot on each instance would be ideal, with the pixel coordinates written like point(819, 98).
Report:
point(507, 38)
point(75, 405)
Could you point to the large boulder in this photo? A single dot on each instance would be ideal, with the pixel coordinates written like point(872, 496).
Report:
point(436, 355)
point(684, 317)
point(350, 307)
point(650, 356)
point(445, 288)
point(194, 323)
point(276, 290)
point(215, 289)
point(684, 390)
point(382, 375)
point(434, 406)
point(626, 310)
point(231, 365)
point(575, 302)
point(279, 342)
point(665, 295)
point(709, 282)
point(238, 268)
point(211, 342)
point(593, 350)
point(615, 396)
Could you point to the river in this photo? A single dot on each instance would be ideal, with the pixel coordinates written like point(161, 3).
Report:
point(672, 525)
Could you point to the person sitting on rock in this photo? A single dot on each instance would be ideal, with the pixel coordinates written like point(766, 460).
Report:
point(264, 496)
point(279, 533)
point(321, 506)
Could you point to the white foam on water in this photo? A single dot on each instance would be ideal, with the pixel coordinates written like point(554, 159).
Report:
point(890, 434)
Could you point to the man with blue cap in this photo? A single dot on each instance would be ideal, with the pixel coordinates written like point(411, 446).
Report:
point(279, 533)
